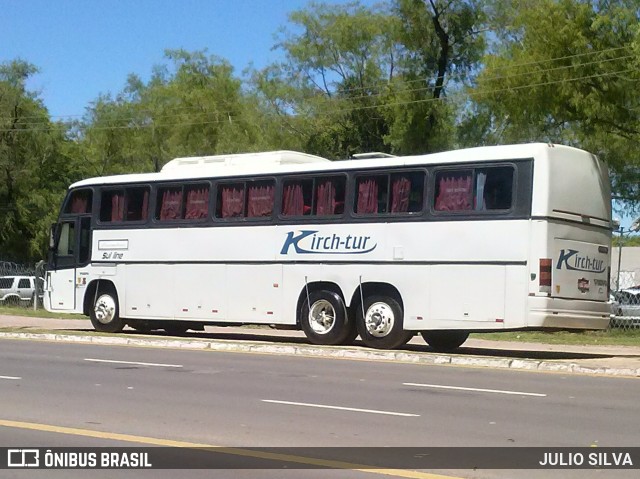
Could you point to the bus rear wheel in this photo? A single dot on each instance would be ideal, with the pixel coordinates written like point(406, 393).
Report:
point(104, 314)
point(381, 325)
point(324, 318)
point(444, 341)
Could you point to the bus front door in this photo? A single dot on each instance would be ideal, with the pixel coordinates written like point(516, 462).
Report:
point(62, 277)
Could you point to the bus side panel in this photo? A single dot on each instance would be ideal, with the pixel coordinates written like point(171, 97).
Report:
point(148, 291)
point(516, 296)
point(474, 295)
point(254, 293)
point(199, 291)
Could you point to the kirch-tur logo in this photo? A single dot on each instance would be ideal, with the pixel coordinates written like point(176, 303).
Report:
point(574, 261)
point(310, 242)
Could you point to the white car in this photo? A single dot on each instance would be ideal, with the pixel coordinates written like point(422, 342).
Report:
point(18, 289)
point(626, 307)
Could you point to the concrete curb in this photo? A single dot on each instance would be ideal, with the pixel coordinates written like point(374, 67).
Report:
point(344, 352)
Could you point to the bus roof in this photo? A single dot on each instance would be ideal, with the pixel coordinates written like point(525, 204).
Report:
point(278, 162)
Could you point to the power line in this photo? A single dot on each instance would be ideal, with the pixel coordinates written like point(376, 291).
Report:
point(353, 108)
point(408, 82)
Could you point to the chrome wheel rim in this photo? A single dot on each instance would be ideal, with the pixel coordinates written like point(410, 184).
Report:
point(322, 317)
point(379, 320)
point(105, 309)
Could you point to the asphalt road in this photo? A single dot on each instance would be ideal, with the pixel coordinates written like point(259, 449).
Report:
point(251, 401)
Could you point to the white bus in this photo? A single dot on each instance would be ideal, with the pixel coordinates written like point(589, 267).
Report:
point(483, 239)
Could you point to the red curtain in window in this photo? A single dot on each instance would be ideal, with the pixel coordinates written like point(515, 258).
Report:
point(400, 189)
point(171, 205)
point(117, 207)
point(455, 194)
point(367, 197)
point(293, 200)
point(79, 204)
point(197, 203)
point(326, 199)
point(232, 201)
point(260, 201)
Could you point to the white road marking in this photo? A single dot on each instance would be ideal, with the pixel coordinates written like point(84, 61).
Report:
point(10, 377)
point(497, 391)
point(133, 362)
point(324, 406)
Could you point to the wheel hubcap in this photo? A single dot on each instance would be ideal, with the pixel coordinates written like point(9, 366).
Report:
point(379, 320)
point(322, 317)
point(105, 309)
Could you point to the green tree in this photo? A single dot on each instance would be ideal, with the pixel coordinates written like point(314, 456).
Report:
point(362, 78)
point(442, 44)
point(34, 165)
point(564, 71)
point(193, 105)
point(338, 62)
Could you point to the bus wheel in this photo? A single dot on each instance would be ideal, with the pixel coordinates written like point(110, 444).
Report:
point(381, 325)
point(104, 314)
point(445, 341)
point(324, 319)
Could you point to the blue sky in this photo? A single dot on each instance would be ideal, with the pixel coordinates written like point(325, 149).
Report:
point(87, 47)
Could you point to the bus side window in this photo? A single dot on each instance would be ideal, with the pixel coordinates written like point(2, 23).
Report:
point(169, 203)
point(297, 197)
point(112, 206)
point(407, 191)
point(67, 241)
point(230, 203)
point(197, 201)
point(260, 199)
point(329, 196)
point(498, 188)
point(453, 190)
point(80, 202)
point(137, 204)
point(371, 194)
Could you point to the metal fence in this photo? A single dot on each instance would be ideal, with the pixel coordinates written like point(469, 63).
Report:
point(21, 285)
point(625, 301)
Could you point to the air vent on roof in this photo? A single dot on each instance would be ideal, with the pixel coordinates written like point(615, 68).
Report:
point(371, 155)
point(245, 159)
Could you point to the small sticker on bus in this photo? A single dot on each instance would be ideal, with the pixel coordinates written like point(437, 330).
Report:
point(583, 285)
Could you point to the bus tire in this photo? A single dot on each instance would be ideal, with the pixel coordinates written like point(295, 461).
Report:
point(104, 314)
point(324, 318)
point(381, 326)
point(445, 341)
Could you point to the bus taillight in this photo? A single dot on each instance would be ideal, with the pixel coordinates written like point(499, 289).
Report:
point(545, 275)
